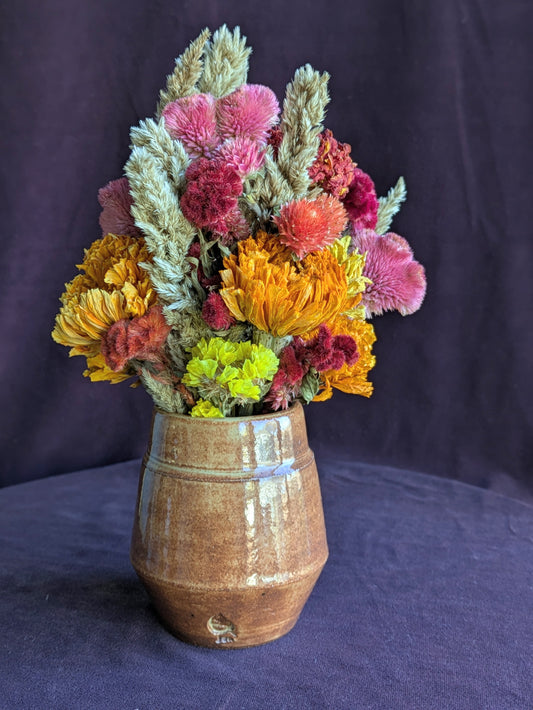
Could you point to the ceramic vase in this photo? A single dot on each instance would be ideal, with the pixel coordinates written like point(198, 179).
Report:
point(228, 534)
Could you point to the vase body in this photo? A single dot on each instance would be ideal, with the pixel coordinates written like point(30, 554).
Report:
point(228, 534)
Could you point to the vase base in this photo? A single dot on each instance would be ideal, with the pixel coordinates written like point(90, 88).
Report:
point(230, 619)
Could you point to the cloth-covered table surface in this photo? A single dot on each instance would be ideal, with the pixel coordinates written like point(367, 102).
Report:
point(426, 601)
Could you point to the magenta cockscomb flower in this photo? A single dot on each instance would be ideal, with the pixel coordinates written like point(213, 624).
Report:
point(361, 201)
point(192, 120)
point(216, 314)
point(250, 111)
point(326, 351)
point(242, 154)
point(116, 202)
point(398, 281)
point(211, 193)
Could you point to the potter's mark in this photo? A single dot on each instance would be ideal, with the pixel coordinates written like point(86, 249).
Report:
point(223, 629)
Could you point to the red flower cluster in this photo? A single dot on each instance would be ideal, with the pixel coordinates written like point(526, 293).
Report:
point(140, 338)
point(361, 202)
point(326, 351)
point(216, 314)
point(323, 352)
point(333, 168)
point(212, 191)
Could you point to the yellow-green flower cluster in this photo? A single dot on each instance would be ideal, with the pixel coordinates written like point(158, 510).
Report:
point(205, 409)
point(229, 376)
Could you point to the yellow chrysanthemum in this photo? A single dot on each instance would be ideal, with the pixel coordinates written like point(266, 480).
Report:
point(98, 371)
point(353, 264)
point(351, 378)
point(113, 287)
point(266, 287)
point(83, 320)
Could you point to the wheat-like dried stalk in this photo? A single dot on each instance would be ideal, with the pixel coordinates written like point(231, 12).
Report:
point(225, 63)
point(390, 205)
point(186, 74)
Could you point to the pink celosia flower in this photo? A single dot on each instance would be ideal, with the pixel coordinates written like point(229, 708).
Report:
point(211, 192)
point(310, 225)
point(242, 154)
point(398, 281)
point(250, 111)
point(140, 338)
point(361, 202)
point(333, 168)
point(116, 202)
point(216, 313)
point(192, 120)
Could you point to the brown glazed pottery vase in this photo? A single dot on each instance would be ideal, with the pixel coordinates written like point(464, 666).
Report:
point(229, 535)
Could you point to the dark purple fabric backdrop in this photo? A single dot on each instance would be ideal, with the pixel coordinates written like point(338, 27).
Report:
point(437, 92)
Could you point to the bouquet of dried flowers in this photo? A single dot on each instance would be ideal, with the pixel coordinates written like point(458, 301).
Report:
point(243, 253)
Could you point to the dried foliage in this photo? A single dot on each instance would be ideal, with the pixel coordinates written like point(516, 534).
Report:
point(287, 177)
point(164, 395)
point(225, 63)
point(187, 72)
point(390, 205)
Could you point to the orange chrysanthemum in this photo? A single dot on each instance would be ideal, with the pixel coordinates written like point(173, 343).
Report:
point(351, 378)
point(309, 225)
point(113, 287)
point(262, 284)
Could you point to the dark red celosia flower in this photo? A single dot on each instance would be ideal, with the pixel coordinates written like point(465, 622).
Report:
point(275, 137)
point(116, 202)
point(140, 338)
point(333, 168)
point(323, 352)
point(287, 380)
point(216, 314)
point(211, 193)
point(346, 345)
point(361, 201)
point(326, 351)
point(293, 368)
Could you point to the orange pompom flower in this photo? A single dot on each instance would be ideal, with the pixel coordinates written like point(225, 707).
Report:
point(262, 284)
point(310, 225)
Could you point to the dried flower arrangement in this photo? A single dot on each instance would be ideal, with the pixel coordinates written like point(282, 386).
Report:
point(242, 254)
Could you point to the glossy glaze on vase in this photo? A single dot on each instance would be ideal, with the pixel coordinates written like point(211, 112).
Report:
point(229, 534)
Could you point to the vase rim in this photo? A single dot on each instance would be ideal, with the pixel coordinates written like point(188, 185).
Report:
point(293, 407)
